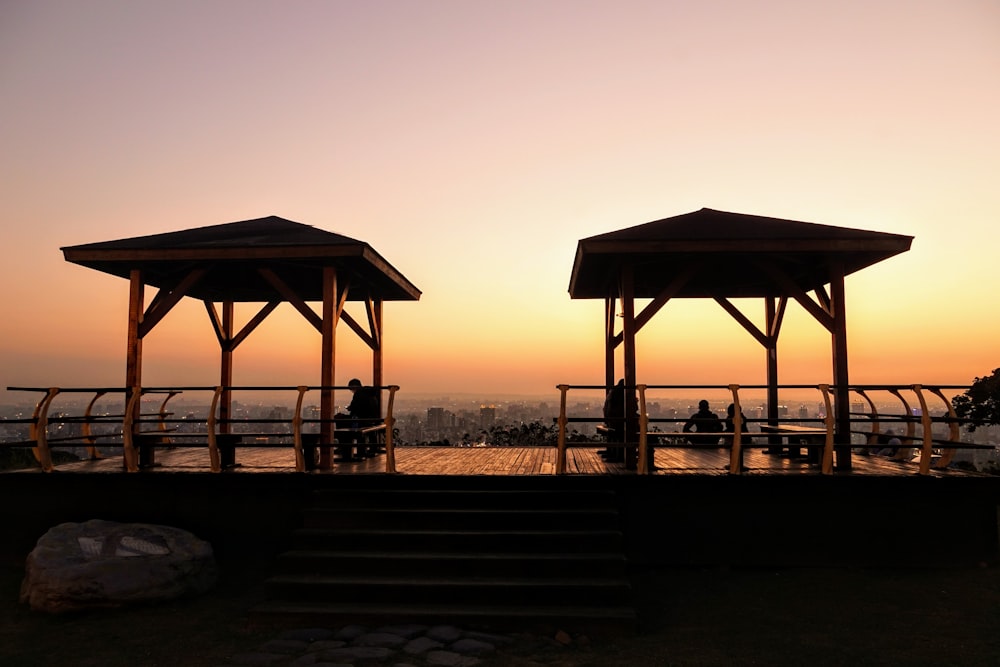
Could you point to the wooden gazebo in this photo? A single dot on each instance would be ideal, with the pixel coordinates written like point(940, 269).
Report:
point(721, 256)
point(267, 260)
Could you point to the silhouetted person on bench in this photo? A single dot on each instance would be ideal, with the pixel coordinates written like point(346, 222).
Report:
point(616, 413)
point(703, 421)
point(363, 411)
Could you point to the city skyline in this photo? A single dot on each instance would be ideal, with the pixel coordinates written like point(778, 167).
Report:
point(472, 145)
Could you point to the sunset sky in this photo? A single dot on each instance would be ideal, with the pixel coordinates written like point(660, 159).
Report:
point(472, 144)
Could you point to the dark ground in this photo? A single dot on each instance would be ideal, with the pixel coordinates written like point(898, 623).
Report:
point(786, 617)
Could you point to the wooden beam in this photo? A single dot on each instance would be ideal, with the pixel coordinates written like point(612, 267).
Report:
point(133, 345)
point(328, 360)
point(213, 316)
point(373, 308)
point(254, 322)
point(788, 285)
point(823, 299)
point(627, 288)
point(773, 312)
point(609, 342)
point(161, 305)
point(840, 375)
point(661, 299)
point(375, 319)
point(292, 297)
point(744, 321)
point(358, 329)
point(776, 316)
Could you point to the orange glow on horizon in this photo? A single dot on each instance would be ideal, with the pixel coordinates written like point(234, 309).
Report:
point(473, 148)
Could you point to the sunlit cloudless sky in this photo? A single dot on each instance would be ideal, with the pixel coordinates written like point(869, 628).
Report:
point(472, 144)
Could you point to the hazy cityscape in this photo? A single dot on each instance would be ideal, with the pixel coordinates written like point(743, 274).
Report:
point(471, 421)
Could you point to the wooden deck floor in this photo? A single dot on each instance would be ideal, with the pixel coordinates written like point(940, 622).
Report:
point(509, 461)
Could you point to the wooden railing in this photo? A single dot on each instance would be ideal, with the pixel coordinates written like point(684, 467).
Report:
point(140, 433)
point(738, 439)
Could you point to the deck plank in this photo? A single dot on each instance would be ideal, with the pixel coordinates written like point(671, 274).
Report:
point(515, 461)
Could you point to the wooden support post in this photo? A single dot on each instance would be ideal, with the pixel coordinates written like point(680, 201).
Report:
point(842, 403)
point(328, 365)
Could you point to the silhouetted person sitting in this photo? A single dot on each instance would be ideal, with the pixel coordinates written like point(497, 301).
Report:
point(703, 421)
point(889, 444)
point(362, 411)
point(616, 413)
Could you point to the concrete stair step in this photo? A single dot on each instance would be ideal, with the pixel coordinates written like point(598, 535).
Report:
point(465, 498)
point(459, 518)
point(437, 562)
point(450, 589)
point(591, 618)
point(445, 540)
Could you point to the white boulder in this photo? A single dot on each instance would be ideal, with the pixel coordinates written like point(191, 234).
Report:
point(107, 564)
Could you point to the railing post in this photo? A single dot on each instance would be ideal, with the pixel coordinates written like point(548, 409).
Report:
point(736, 453)
point(906, 450)
point(873, 437)
point(827, 465)
point(87, 435)
point(390, 445)
point(561, 441)
point(213, 441)
point(643, 465)
point(38, 431)
point(927, 446)
point(129, 451)
point(954, 432)
point(300, 459)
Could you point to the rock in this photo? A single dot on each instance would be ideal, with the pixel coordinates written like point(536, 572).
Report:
point(257, 659)
point(285, 646)
point(406, 631)
point(307, 634)
point(421, 645)
point(444, 633)
point(107, 564)
point(471, 647)
point(450, 659)
point(350, 632)
point(355, 653)
point(385, 639)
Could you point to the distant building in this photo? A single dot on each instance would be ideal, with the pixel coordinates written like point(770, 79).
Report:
point(435, 418)
point(487, 416)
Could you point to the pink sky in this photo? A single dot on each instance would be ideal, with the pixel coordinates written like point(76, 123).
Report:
point(472, 144)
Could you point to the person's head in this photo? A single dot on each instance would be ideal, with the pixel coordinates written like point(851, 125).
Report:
point(703, 405)
point(731, 410)
point(354, 384)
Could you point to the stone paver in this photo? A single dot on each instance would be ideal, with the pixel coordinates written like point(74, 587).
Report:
point(401, 645)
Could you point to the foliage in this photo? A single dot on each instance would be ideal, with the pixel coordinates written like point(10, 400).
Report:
point(980, 404)
point(526, 434)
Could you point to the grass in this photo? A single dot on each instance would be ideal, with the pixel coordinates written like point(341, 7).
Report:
point(691, 617)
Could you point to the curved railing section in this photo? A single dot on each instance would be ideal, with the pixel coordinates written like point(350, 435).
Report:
point(139, 433)
point(934, 453)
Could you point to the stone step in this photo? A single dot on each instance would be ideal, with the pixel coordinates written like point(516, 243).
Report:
point(459, 518)
point(464, 498)
point(545, 618)
point(401, 587)
point(443, 562)
point(441, 540)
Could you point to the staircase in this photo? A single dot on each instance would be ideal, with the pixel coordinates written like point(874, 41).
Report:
point(472, 553)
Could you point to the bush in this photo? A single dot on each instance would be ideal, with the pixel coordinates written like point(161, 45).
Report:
point(980, 404)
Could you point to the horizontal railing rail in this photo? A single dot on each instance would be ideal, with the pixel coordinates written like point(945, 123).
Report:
point(740, 437)
point(136, 430)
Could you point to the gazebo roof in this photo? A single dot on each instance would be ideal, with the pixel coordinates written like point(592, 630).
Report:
point(724, 253)
point(232, 254)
